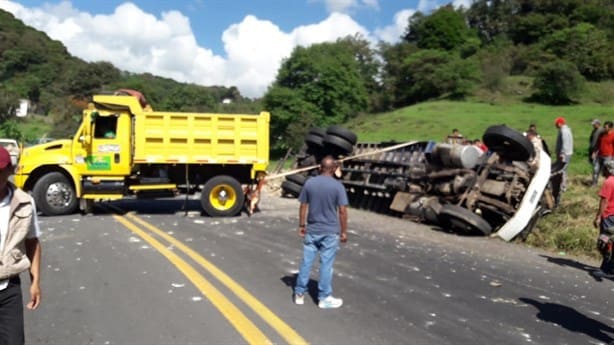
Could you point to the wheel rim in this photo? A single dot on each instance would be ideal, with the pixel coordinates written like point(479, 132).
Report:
point(59, 195)
point(222, 197)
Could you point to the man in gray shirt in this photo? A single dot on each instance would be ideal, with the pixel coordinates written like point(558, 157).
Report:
point(322, 225)
point(563, 150)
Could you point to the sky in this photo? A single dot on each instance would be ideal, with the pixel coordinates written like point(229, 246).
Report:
point(228, 43)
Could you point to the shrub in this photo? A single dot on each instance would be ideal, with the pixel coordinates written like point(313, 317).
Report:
point(558, 82)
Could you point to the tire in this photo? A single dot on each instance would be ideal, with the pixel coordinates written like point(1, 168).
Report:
point(55, 195)
point(299, 179)
point(313, 141)
point(307, 161)
point(342, 133)
point(289, 187)
point(318, 132)
point(460, 218)
point(508, 143)
point(337, 144)
point(222, 196)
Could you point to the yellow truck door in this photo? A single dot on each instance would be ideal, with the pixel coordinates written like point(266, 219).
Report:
point(108, 150)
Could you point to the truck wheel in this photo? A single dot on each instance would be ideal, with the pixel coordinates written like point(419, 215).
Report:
point(313, 141)
point(317, 131)
point(299, 179)
point(289, 187)
point(339, 143)
point(222, 196)
point(342, 133)
point(460, 218)
point(55, 195)
point(508, 143)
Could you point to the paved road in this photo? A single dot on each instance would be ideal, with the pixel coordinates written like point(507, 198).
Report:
point(131, 279)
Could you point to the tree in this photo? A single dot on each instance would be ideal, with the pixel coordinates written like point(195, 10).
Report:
point(392, 72)
point(8, 102)
point(491, 18)
point(433, 73)
point(323, 81)
point(584, 45)
point(368, 67)
point(444, 29)
point(558, 83)
point(291, 115)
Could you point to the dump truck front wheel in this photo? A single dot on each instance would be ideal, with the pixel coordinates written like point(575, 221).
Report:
point(222, 196)
point(55, 195)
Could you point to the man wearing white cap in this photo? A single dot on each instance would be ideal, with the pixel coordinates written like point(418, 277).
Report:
point(20, 251)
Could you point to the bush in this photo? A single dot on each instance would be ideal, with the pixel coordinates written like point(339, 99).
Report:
point(558, 83)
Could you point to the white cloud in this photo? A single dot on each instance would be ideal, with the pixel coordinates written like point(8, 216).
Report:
point(464, 3)
point(392, 33)
point(426, 6)
point(137, 41)
point(345, 6)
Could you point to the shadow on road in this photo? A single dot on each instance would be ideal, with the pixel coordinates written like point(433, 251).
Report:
point(573, 263)
point(312, 286)
point(570, 319)
point(159, 206)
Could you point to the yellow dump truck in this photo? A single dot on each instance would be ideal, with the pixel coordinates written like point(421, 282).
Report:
point(125, 149)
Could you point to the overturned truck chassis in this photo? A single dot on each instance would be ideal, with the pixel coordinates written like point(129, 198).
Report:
point(455, 186)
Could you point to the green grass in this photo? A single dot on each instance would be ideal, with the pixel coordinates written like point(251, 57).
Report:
point(569, 228)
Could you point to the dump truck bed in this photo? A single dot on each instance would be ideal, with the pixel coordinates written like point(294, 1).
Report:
point(162, 137)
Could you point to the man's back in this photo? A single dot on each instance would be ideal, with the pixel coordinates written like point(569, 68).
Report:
point(324, 195)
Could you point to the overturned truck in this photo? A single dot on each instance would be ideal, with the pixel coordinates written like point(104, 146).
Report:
point(456, 186)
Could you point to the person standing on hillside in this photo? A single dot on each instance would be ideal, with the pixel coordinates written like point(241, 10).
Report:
point(544, 145)
point(20, 250)
point(593, 140)
point(563, 151)
point(322, 224)
point(455, 138)
point(537, 148)
point(603, 150)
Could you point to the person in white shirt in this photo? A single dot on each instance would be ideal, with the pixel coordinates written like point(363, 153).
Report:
point(20, 251)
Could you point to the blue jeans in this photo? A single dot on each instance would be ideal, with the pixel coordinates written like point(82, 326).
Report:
point(327, 245)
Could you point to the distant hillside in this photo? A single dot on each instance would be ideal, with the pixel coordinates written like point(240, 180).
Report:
point(35, 67)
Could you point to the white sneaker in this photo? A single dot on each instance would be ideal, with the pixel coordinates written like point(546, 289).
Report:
point(330, 302)
point(299, 299)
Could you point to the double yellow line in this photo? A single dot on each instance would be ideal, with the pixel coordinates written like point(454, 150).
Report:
point(241, 323)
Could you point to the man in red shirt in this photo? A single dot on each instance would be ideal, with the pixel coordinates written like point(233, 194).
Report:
point(605, 150)
point(604, 220)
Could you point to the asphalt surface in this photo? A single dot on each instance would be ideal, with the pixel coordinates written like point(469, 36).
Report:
point(402, 283)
